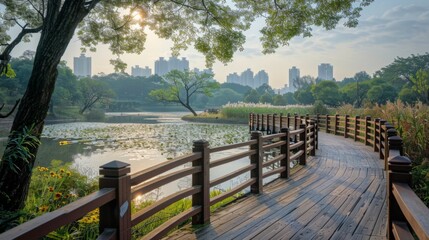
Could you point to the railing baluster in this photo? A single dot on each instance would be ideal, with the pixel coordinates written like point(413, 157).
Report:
point(303, 137)
point(346, 125)
point(116, 214)
point(367, 119)
point(313, 137)
point(202, 179)
point(357, 128)
point(327, 123)
point(285, 150)
point(257, 160)
point(375, 133)
point(381, 139)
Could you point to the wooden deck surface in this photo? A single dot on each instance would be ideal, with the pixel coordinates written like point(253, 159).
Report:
point(340, 194)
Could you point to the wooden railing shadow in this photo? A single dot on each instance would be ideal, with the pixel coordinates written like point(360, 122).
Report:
point(407, 214)
point(118, 188)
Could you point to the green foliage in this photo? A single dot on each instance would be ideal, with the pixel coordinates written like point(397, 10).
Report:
point(8, 72)
point(421, 84)
point(327, 92)
point(251, 96)
point(224, 96)
point(304, 96)
point(319, 108)
point(94, 92)
point(22, 143)
point(380, 94)
point(242, 110)
point(266, 98)
point(180, 87)
point(407, 95)
point(279, 100)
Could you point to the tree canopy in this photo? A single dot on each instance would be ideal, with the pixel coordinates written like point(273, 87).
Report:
point(180, 87)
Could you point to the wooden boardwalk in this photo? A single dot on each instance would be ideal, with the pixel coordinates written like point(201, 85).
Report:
point(340, 194)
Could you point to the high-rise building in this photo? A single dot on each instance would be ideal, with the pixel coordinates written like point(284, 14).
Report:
point(260, 79)
point(233, 78)
point(246, 78)
point(82, 66)
point(325, 71)
point(161, 66)
point(137, 71)
point(294, 75)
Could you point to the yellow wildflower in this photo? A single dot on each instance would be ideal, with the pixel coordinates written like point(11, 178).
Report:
point(43, 208)
point(51, 189)
point(58, 195)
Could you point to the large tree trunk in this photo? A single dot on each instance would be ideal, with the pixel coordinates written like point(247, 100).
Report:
point(58, 29)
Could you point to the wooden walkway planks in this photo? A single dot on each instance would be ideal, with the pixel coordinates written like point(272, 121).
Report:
point(339, 194)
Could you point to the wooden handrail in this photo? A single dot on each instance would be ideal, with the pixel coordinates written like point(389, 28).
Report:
point(48, 222)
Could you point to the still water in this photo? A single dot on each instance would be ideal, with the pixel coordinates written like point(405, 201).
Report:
point(155, 138)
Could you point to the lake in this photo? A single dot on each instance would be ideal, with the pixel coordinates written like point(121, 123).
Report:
point(156, 138)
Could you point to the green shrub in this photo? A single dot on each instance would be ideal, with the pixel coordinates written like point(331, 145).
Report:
point(319, 108)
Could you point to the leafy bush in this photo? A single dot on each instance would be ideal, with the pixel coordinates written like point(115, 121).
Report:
point(319, 108)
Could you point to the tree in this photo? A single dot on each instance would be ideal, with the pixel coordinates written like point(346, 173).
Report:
point(290, 99)
point(421, 84)
point(266, 98)
point(224, 96)
point(407, 95)
point(213, 27)
point(279, 100)
point(380, 94)
point(304, 82)
point(93, 92)
point(252, 96)
point(327, 92)
point(181, 86)
point(304, 96)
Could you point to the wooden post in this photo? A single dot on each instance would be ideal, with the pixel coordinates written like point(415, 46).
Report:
point(250, 122)
point(346, 125)
point(317, 121)
point(288, 120)
point(281, 122)
point(327, 123)
point(399, 171)
point(375, 134)
point(381, 134)
point(268, 124)
point(257, 122)
point(316, 137)
point(284, 149)
point(202, 179)
point(256, 159)
point(367, 119)
point(274, 124)
point(303, 137)
point(390, 132)
point(336, 124)
point(295, 122)
point(117, 213)
point(262, 124)
point(313, 144)
point(357, 128)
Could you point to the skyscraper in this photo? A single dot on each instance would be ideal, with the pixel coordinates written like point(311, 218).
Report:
point(161, 66)
point(294, 75)
point(260, 79)
point(246, 78)
point(325, 71)
point(82, 66)
point(233, 78)
point(137, 71)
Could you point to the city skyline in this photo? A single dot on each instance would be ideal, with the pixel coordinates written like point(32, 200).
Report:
point(386, 30)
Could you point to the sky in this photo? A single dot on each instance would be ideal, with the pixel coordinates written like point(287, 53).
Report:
point(387, 29)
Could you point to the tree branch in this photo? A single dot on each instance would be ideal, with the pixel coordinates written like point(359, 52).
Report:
point(11, 111)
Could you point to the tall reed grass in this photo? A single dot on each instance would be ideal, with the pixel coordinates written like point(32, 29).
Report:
point(412, 124)
point(242, 110)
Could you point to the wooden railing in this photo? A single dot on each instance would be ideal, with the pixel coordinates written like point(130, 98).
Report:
point(407, 214)
point(118, 188)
